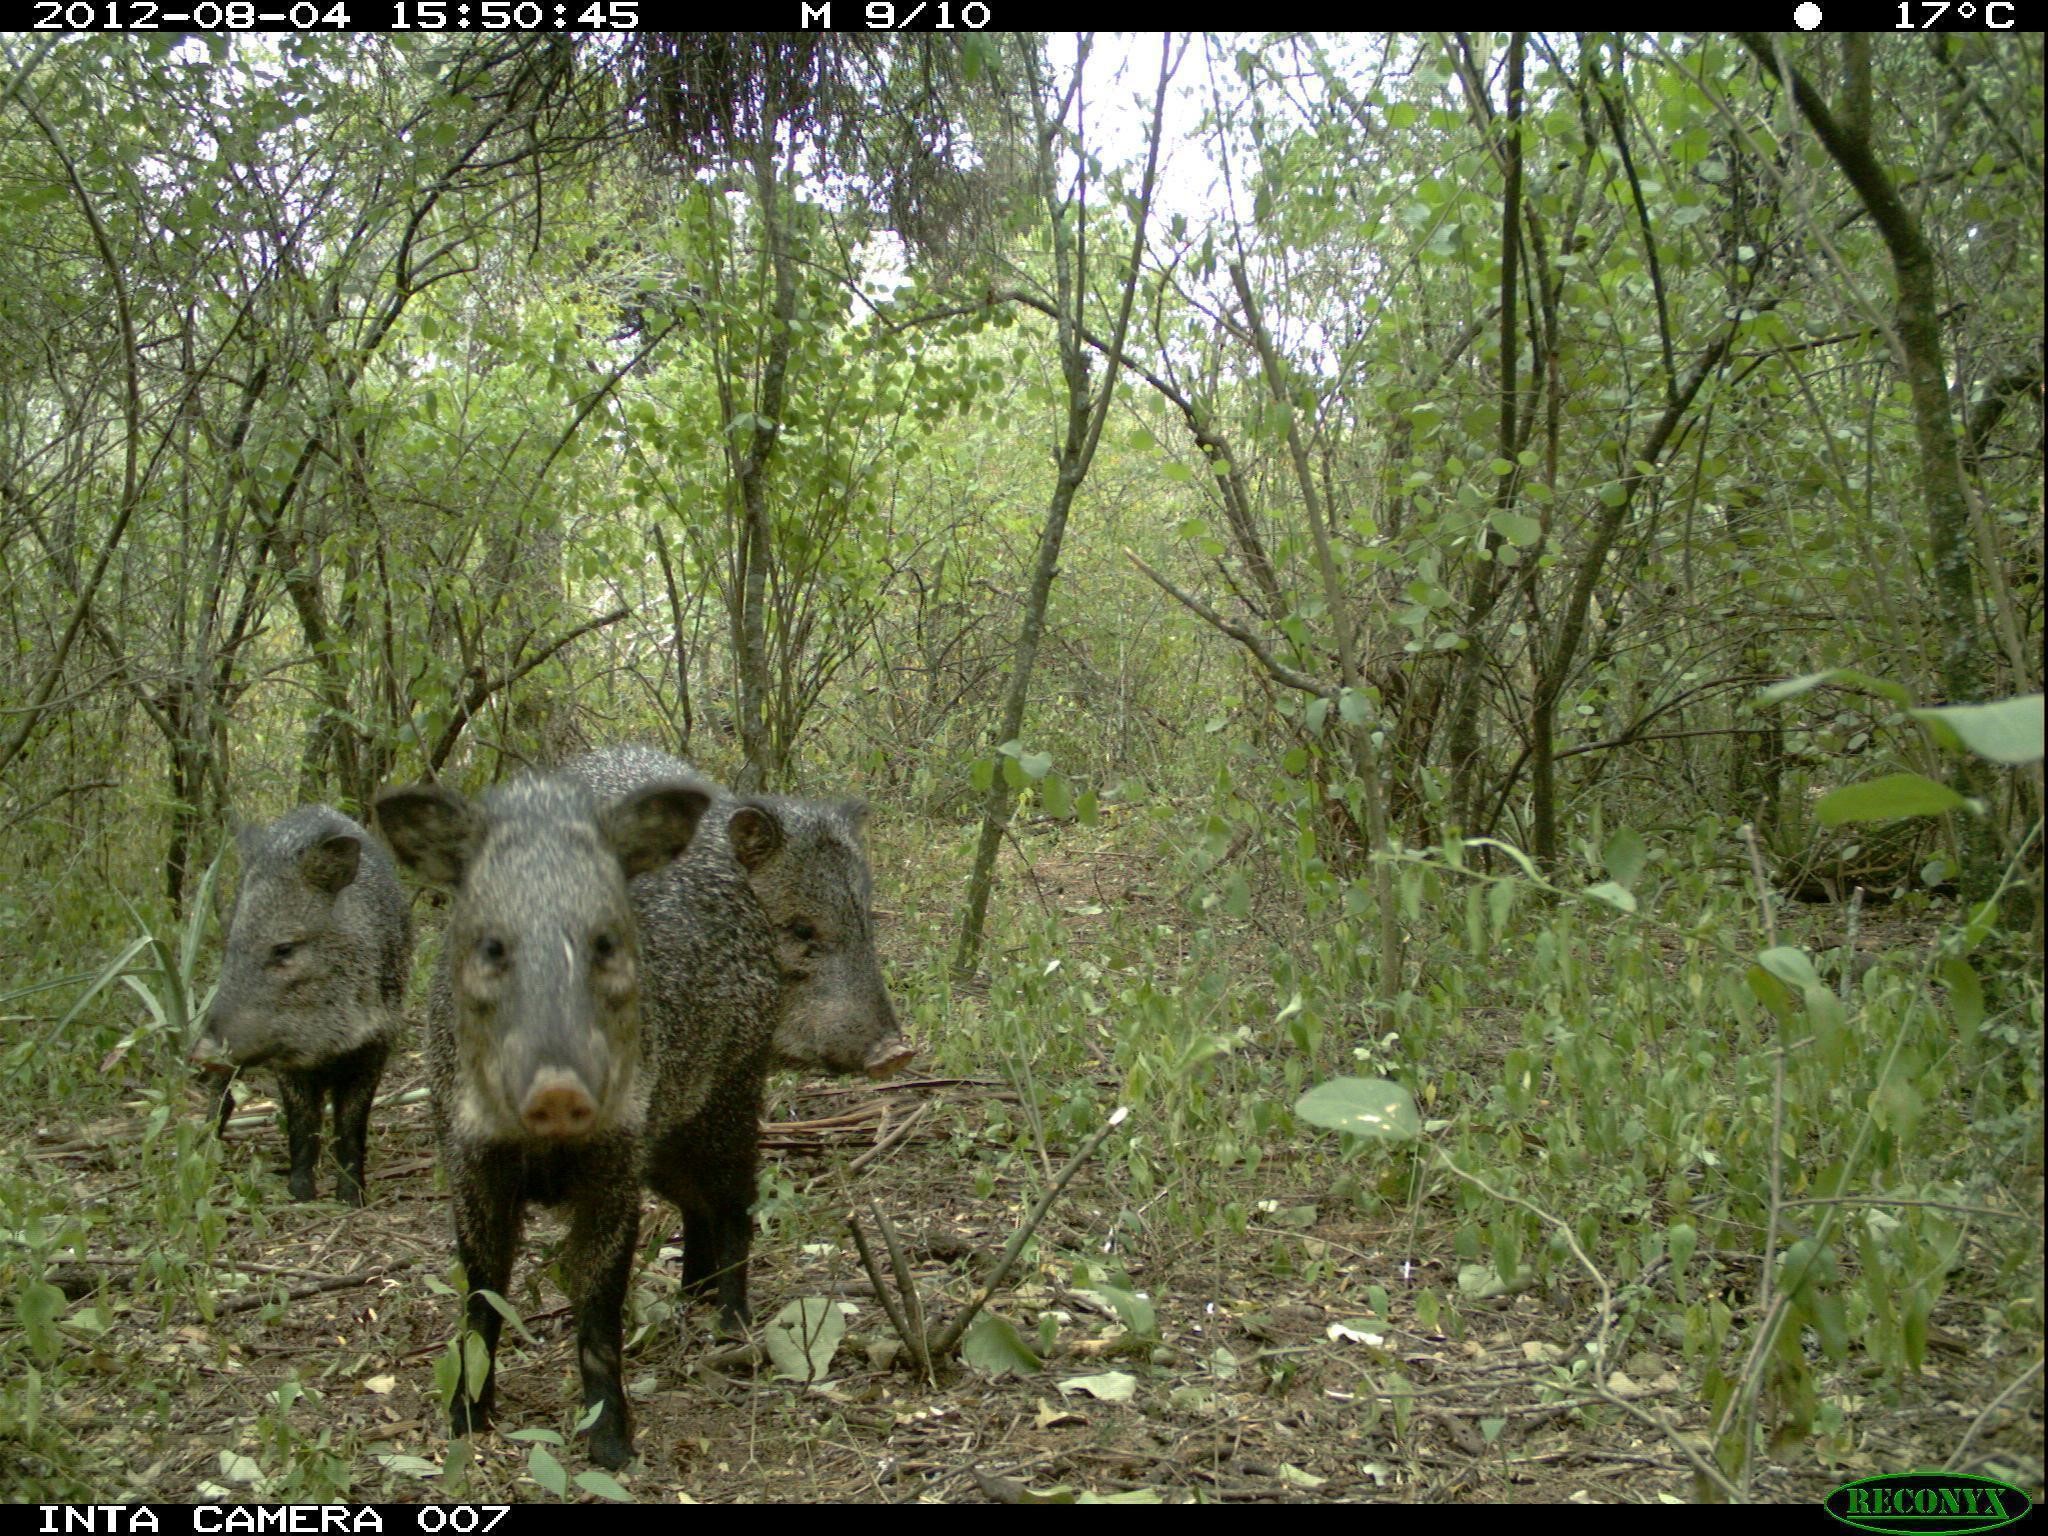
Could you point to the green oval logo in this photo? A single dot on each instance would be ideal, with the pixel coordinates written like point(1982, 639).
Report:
point(1950, 1503)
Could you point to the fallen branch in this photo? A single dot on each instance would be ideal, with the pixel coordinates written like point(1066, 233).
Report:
point(255, 1299)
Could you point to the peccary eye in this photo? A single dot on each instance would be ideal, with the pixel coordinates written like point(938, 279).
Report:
point(604, 946)
point(491, 950)
point(803, 933)
point(279, 953)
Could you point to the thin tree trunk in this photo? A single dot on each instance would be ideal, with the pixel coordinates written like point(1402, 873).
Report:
point(1357, 734)
point(763, 767)
point(1086, 413)
point(1944, 491)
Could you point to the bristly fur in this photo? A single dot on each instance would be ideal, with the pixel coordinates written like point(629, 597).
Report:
point(665, 1015)
point(313, 980)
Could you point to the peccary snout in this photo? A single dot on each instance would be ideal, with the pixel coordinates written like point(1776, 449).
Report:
point(558, 1107)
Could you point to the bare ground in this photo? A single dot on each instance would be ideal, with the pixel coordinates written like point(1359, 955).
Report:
point(1259, 1388)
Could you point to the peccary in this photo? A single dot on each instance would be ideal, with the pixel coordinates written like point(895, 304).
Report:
point(313, 981)
point(805, 863)
point(583, 1042)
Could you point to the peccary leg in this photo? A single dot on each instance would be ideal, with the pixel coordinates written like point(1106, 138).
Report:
point(354, 1081)
point(597, 1262)
point(713, 1186)
point(487, 1205)
point(301, 1096)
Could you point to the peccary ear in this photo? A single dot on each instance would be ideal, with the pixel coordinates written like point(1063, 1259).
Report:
point(434, 831)
point(853, 812)
point(756, 832)
point(330, 864)
point(652, 825)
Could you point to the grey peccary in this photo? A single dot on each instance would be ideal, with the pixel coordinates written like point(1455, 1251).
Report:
point(600, 1021)
point(805, 862)
point(313, 981)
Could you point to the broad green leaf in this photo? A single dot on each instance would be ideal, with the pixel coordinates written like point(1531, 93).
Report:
point(39, 1306)
point(803, 1338)
point(545, 1470)
point(1128, 1496)
point(993, 1346)
point(476, 1365)
point(1791, 966)
point(1364, 1106)
point(2008, 731)
point(604, 1485)
point(1135, 1310)
point(1616, 896)
point(1106, 1387)
point(1965, 992)
point(1887, 799)
point(1840, 677)
point(1057, 798)
point(1522, 532)
point(1623, 856)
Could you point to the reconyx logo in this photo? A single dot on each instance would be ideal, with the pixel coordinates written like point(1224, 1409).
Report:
point(1951, 1503)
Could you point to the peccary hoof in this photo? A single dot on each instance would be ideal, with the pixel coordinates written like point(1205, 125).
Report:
point(734, 1321)
point(466, 1418)
point(301, 1185)
point(611, 1443)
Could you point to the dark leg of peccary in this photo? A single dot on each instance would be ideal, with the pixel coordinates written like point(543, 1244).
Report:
point(354, 1081)
point(710, 1178)
point(604, 1227)
point(300, 1094)
point(485, 1190)
point(227, 1106)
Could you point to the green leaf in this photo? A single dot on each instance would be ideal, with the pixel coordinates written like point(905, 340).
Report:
point(1036, 764)
point(1520, 531)
point(803, 1338)
point(1137, 1312)
point(1057, 798)
point(2008, 731)
point(1104, 1387)
point(604, 1485)
point(993, 1346)
point(1623, 856)
point(1886, 799)
point(1790, 965)
point(1364, 1106)
point(1616, 896)
point(1965, 992)
point(547, 1471)
point(983, 774)
point(1680, 1241)
point(1840, 677)
point(39, 1306)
